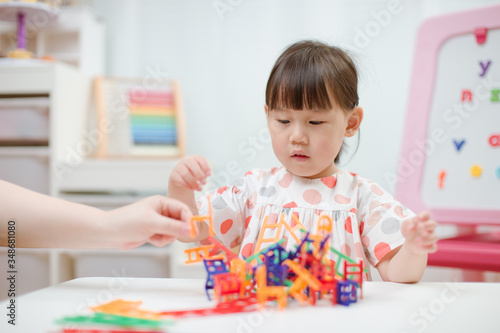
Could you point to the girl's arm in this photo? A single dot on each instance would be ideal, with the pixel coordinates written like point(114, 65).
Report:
point(189, 176)
point(408, 262)
point(43, 221)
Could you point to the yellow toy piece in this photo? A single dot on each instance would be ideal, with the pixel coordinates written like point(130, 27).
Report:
point(126, 308)
point(303, 280)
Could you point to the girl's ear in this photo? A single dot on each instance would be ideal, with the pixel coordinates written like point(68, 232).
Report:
point(267, 110)
point(354, 119)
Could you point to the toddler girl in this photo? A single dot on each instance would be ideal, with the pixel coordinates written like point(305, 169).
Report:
point(311, 105)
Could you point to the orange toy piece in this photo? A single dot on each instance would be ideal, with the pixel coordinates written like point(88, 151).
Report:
point(304, 279)
point(357, 273)
point(126, 308)
point(200, 253)
point(202, 218)
point(240, 268)
point(265, 292)
point(277, 236)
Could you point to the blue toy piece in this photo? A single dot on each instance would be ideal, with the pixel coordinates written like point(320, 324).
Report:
point(347, 292)
point(213, 267)
point(276, 272)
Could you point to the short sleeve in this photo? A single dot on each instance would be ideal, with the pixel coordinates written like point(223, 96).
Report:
point(382, 229)
point(229, 210)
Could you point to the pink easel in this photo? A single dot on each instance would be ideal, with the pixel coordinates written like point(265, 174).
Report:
point(469, 249)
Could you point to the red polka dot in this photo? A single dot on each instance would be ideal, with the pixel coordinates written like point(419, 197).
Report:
point(353, 174)
point(248, 173)
point(386, 205)
point(273, 218)
point(290, 205)
point(312, 196)
point(286, 180)
point(348, 225)
point(285, 242)
point(274, 170)
point(247, 233)
point(247, 221)
point(381, 249)
point(353, 210)
point(235, 190)
point(365, 241)
point(374, 218)
point(251, 201)
point(225, 226)
point(246, 251)
point(329, 181)
point(345, 249)
point(361, 227)
point(399, 211)
point(221, 190)
point(318, 212)
point(358, 249)
point(341, 199)
point(377, 190)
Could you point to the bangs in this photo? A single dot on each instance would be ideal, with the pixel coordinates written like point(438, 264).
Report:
point(298, 86)
point(312, 76)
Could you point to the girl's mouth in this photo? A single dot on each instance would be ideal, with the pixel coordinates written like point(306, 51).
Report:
point(300, 157)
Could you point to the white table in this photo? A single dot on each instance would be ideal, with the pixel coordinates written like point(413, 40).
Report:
point(386, 307)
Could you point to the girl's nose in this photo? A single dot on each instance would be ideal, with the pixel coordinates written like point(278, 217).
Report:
point(299, 135)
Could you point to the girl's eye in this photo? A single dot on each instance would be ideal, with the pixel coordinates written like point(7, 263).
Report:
point(282, 121)
point(316, 122)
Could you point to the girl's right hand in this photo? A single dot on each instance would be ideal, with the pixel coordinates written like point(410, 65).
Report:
point(191, 173)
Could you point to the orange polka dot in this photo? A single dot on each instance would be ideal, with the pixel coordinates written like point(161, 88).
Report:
point(329, 181)
point(246, 251)
point(348, 225)
point(275, 170)
point(341, 199)
point(365, 241)
point(374, 204)
point(353, 210)
point(286, 180)
point(399, 211)
point(221, 190)
point(377, 190)
point(247, 221)
point(312, 196)
point(247, 233)
point(225, 226)
point(386, 205)
point(361, 227)
point(273, 218)
point(358, 249)
point(381, 249)
point(374, 218)
point(345, 249)
point(290, 205)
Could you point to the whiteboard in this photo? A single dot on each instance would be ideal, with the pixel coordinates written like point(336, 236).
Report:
point(466, 126)
point(452, 125)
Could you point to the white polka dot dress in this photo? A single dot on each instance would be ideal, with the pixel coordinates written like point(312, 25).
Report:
point(366, 219)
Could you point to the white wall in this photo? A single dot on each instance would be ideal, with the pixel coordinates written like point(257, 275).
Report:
point(223, 61)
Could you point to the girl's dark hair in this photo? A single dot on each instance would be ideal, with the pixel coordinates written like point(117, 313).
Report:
point(313, 75)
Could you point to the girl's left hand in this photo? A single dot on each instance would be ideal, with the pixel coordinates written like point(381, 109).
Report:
point(419, 233)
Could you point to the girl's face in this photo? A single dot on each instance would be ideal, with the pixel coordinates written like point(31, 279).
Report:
point(306, 142)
